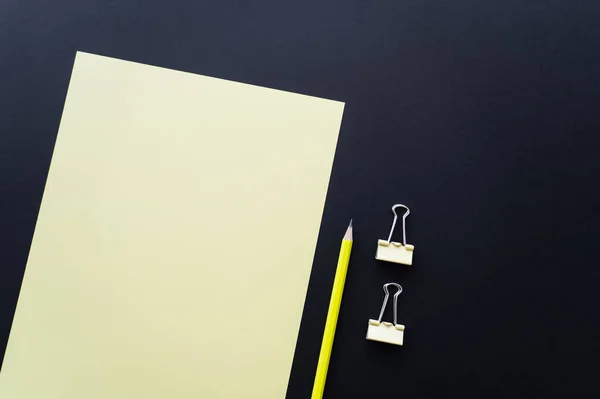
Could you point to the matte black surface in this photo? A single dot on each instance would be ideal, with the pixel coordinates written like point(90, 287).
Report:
point(482, 116)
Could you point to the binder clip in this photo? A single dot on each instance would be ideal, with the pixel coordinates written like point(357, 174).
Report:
point(386, 331)
point(391, 251)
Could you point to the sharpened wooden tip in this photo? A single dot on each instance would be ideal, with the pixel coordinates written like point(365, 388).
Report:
point(348, 235)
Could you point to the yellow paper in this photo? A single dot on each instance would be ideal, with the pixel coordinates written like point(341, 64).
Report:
point(175, 238)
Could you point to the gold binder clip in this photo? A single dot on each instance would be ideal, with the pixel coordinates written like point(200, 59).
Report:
point(391, 251)
point(386, 331)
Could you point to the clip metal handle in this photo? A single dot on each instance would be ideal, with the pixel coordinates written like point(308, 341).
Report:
point(403, 222)
point(385, 300)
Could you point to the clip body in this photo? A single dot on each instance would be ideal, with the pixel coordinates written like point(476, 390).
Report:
point(385, 332)
point(395, 252)
point(389, 333)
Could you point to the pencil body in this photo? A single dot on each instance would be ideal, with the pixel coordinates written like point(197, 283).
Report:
point(332, 315)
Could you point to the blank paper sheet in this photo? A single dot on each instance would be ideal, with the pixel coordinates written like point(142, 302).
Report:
point(175, 238)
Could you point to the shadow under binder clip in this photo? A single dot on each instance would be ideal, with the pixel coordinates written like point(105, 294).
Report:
point(386, 331)
point(391, 251)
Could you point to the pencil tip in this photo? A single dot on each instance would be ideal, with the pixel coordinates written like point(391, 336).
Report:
point(348, 235)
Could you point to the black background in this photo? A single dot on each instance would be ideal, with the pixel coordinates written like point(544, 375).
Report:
point(482, 116)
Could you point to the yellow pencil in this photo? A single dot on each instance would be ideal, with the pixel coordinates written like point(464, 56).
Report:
point(332, 314)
